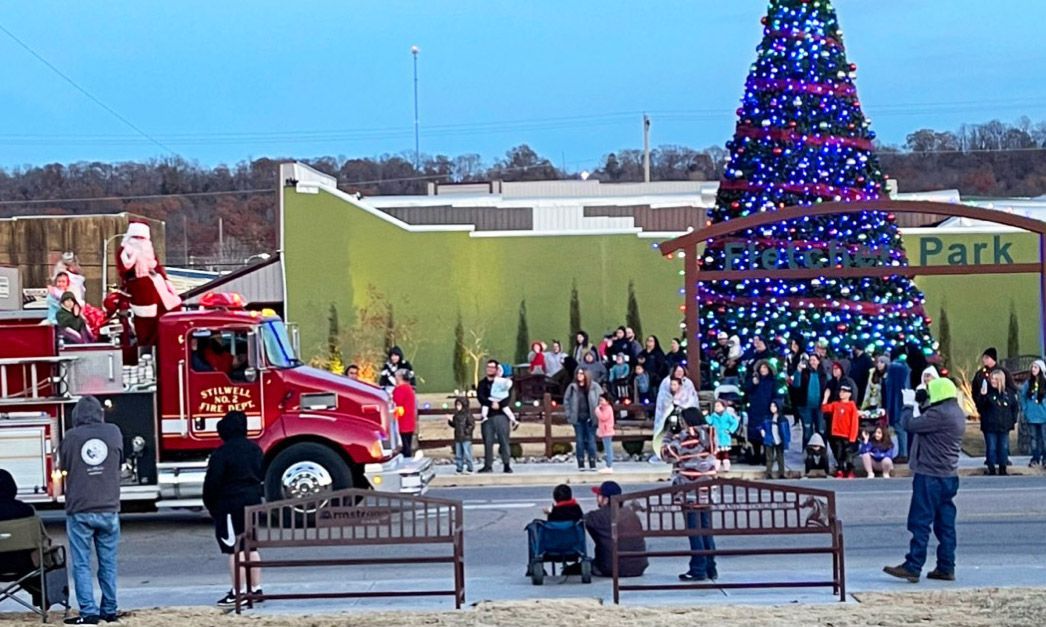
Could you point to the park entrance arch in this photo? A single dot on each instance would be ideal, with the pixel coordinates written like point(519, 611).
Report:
point(687, 247)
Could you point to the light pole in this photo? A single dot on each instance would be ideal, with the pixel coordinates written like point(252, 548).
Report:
point(414, 50)
point(105, 265)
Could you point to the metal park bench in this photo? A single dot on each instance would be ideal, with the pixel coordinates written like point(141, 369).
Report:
point(736, 509)
point(352, 518)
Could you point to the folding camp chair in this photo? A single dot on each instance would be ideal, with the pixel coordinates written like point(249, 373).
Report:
point(48, 575)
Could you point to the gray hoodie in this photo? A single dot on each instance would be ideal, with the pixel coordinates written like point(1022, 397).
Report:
point(91, 454)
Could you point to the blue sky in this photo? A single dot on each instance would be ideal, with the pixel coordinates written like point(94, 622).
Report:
point(220, 82)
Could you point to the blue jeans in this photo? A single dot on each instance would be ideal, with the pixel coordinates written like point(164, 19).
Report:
point(99, 531)
point(813, 422)
point(1038, 442)
point(608, 450)
point(463, 455)
point(701, 566)
point(585, 441)
point(932, 505)
point(997, 448)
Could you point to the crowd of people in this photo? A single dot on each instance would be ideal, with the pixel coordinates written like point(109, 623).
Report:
point(861, 404)
point(851, 409)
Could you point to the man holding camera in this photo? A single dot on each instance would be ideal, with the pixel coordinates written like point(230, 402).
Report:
point(688, 446)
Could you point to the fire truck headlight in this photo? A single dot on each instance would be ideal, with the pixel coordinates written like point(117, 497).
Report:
point(138, 444)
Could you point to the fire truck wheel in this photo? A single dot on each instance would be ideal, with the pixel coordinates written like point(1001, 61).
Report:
point(306, 470)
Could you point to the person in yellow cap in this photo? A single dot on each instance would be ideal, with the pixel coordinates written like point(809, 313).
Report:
point(934, 461)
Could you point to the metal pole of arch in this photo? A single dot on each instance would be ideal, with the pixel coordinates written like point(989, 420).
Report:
point(414, 50)
point(1042, 293)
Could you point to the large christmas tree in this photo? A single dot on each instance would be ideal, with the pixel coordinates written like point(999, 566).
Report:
point(801, 139)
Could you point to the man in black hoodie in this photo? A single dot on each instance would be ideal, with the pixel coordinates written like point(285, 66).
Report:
point(90, 458)
point(233, 482)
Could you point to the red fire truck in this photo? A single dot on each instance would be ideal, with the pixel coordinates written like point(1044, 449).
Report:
point(319, 431)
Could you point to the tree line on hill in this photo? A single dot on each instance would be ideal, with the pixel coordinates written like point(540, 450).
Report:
point(990, 159)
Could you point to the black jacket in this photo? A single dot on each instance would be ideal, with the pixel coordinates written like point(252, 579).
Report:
point(983, 380)
point(234, 472)
point(567, 510)
point(999, 413)
point(387, 378)
point(463, 422)
point(835, 384)
point(860, 369)
point(13, 509)
point(656, 364)
point(10, 507)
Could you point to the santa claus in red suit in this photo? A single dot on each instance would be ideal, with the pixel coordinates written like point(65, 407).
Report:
point(145, 280)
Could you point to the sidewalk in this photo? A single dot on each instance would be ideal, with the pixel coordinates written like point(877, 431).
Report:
point(642, 472)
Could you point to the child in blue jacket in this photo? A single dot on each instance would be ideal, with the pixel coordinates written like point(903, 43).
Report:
point(724, 422)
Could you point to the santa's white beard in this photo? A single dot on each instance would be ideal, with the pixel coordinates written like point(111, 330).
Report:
point(138, 253)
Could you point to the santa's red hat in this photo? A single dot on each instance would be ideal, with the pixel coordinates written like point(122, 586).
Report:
point(138, 229)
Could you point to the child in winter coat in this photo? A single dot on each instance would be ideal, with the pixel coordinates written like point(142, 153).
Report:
point(564, 506)
point(724, 422)
point(816, 455)
point(877, 452)
point(605, 430)
point(777, 437)
point(463, 424)
point(500, 390)
point(845, 422)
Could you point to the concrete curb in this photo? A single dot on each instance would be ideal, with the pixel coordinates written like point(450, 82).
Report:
point(526, 478)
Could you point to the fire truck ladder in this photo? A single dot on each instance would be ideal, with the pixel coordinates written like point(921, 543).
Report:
point(43, 379)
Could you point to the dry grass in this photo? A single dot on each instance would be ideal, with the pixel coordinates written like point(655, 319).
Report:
point(959, 608)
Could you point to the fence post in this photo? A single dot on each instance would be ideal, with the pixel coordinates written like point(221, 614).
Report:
point(546, 409)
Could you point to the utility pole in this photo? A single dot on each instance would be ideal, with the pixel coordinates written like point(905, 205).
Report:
point(185, 239)
point(221, 240)
point(414, 50)
point(646, 148)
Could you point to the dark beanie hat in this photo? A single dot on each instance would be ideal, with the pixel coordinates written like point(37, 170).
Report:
point(991, 352)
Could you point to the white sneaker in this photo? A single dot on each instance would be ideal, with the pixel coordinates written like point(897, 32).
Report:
point(606, 471)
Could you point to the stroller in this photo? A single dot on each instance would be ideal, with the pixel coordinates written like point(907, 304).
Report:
point(560, 542)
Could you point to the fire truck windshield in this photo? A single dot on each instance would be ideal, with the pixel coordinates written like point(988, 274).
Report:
point(278, 348)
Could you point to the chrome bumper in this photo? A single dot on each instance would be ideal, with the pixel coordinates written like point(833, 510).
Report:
point(401, 475)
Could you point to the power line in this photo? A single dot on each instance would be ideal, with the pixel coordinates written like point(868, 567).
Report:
point(476, 128)
point(86, 93)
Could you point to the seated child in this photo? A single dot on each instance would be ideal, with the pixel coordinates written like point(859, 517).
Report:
point(724, 422)
point(500, 390)
point(877, 451)
point(564, 506)
point(816, 456)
